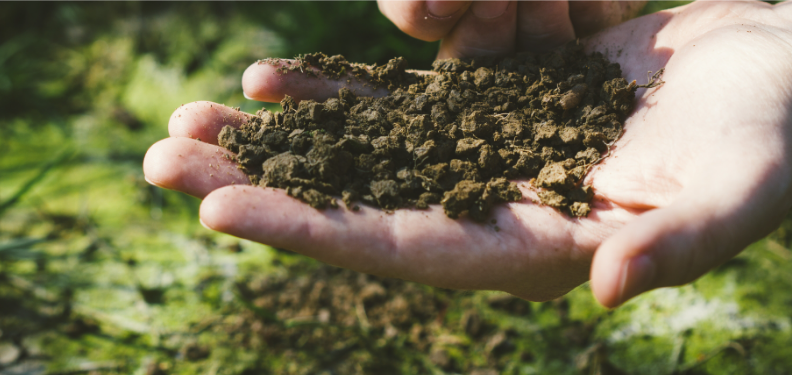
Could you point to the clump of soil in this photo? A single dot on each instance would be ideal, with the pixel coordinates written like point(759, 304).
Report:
point(456, 137)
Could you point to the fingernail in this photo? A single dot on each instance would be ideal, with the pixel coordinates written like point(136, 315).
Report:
point(442, 9)
point(149, 181)
point(246, 96)
point(489, 9)
point(204, 224)
point(636, 277)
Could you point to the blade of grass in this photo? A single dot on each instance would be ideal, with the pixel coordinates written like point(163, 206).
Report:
point(20, 243)
point(29, 184)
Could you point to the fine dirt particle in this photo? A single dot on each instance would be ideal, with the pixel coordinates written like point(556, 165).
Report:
point(452, 138)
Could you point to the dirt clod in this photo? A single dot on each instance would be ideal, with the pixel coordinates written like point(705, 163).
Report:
point(453, 137)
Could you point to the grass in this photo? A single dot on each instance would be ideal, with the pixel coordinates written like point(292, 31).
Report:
point(102, 273)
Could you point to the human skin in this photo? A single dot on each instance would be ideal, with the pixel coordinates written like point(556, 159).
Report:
point(703, 169)
point(476, 28)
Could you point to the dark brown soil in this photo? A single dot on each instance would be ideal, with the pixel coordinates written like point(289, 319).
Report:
point(352, 323)
point(456, 137)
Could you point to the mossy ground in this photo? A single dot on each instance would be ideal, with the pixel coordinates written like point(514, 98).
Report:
point(101, 273)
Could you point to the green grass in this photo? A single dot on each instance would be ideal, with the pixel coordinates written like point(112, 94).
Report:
point(99, 270)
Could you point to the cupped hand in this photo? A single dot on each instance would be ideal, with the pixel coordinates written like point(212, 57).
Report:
point(477, 28)
point(703, 169)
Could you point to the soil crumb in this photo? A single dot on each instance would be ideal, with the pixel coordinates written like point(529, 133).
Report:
point(456, 137)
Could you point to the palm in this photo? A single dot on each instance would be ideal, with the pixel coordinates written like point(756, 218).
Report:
point(711, 147)
point(714, 125)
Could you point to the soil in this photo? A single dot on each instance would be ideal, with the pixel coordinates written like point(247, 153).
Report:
point(457, 137)
point(344, 322)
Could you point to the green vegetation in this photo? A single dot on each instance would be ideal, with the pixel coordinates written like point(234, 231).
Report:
point(102, 273)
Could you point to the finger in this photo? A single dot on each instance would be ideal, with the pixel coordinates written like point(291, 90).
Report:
point(425, 20)
point(589, 17)
point(709, 223)
point(784, 9)
point(190, 166)
point(270, 216)
point(543, 25)
point(418, 245)
point(487, 28)
point(264, 82)
point(204, 120)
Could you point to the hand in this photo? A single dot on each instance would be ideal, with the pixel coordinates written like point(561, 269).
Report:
point(477, 28)
point(704, 168)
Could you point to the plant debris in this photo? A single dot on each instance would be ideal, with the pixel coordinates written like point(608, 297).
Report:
point(344, 322)
point(456, 137)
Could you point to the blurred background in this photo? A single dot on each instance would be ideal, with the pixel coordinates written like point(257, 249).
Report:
point(101, 273)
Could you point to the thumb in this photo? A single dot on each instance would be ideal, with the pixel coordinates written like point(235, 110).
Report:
point(704, 227)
